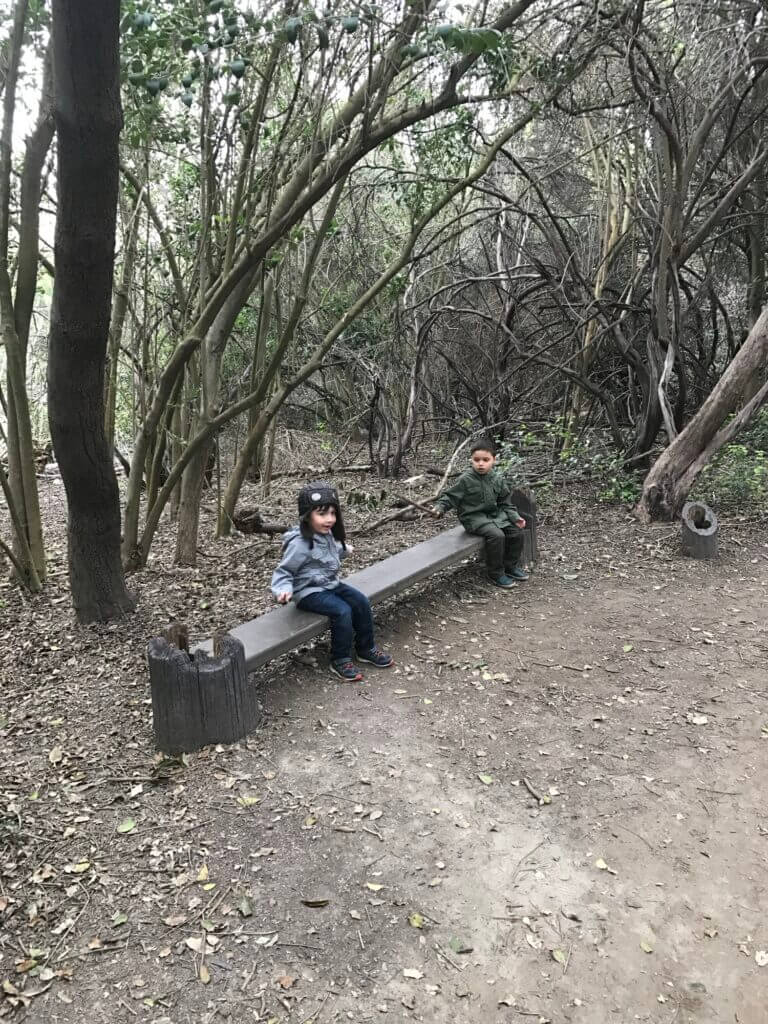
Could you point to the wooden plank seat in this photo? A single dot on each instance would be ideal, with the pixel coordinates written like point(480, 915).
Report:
point(276, 632)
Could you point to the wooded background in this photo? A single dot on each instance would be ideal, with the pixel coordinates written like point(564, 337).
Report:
point(397, 223)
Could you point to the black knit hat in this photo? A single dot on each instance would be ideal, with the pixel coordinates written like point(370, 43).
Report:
point(320, 494)
point(317, 494)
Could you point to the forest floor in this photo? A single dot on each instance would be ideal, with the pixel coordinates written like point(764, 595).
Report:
point(552, 809)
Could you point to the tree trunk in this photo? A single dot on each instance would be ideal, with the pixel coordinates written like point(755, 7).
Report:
point(189, 507)
point(88, 122)
point(16, 313)
point(674, 472)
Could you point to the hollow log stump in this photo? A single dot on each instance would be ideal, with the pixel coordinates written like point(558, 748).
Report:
point(525, 503)
point(200, 699)
point(699, 530)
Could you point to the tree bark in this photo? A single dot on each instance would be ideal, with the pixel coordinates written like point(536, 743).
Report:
point(15, 313)
point(674, 472)
point(88, 122)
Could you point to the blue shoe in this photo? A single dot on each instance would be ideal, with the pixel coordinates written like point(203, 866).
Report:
point(347, 670)
point(376, 657)
point(518, 574)
point(502, 581)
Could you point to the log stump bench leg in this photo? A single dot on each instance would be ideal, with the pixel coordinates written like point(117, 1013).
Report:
point(200, 699)
point(699, 530)
point(525, 503)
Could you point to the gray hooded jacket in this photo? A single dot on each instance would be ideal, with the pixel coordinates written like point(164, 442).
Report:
point(305, 570)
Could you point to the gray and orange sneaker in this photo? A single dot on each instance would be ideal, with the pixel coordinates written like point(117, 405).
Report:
point(347, 670)
point(376, 657)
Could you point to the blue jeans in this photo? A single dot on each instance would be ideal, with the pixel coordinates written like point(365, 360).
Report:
point(350, 613)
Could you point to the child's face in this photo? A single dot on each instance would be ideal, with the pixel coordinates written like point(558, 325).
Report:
point(322, 520)
point(482, 461)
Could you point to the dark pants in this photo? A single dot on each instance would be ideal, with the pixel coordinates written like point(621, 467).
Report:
point(503, 547)
point(350, 615)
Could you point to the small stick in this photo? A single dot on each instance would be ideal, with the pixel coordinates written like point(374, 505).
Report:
point(415, 504)
point(249, 977)
point(532, 791)
point(441, 953)
point(637, 836)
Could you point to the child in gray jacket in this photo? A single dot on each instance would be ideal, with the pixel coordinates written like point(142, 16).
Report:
point(308, 573)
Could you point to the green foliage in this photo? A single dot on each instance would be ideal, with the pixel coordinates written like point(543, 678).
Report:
point(585, 455)
point(737, 479)
point(619, 486)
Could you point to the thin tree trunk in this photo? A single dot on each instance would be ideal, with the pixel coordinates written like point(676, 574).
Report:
point(15, 315)
point(88, 123)
point(119, 310)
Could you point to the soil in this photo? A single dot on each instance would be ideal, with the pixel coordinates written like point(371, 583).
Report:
point(551, 809)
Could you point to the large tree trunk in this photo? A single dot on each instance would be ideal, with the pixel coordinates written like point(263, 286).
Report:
point(674, 472)
point(88, 122)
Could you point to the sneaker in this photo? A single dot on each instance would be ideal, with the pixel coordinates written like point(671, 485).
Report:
point(517, 574)
point(347, 670)
point(502, 581)
point(376, 657)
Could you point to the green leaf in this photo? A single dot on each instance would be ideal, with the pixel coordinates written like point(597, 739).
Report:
point(118, 919)
point(559, 956)
point(126, 825)
point(459, 945)
point(485, 779)
point(290, 29)
point(350, 23)
point(415, 920)
point(245, 908)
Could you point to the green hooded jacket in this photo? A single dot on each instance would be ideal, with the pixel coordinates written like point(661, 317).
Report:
point(479, 499)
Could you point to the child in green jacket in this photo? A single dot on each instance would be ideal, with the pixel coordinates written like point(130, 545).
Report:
point(481, 499)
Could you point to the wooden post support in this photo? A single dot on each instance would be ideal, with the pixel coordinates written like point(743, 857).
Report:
point(525, 503)
point(199, 699)
point(699, 530)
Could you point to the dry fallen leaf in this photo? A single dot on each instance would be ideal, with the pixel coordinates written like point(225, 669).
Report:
point(412, 972)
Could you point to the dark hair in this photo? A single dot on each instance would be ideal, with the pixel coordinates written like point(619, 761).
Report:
point(320, 495)
point(483, 444)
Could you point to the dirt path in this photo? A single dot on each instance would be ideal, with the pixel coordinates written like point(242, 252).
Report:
point(630, 695)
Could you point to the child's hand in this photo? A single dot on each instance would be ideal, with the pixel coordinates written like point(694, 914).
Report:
point(285, 597)
point(520, 523)
point(349, 546)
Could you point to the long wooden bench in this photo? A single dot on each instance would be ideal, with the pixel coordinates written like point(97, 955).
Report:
point(279, 631)
point(208, 698)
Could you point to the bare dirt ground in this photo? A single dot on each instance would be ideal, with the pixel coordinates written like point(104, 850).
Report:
point(552, 809)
